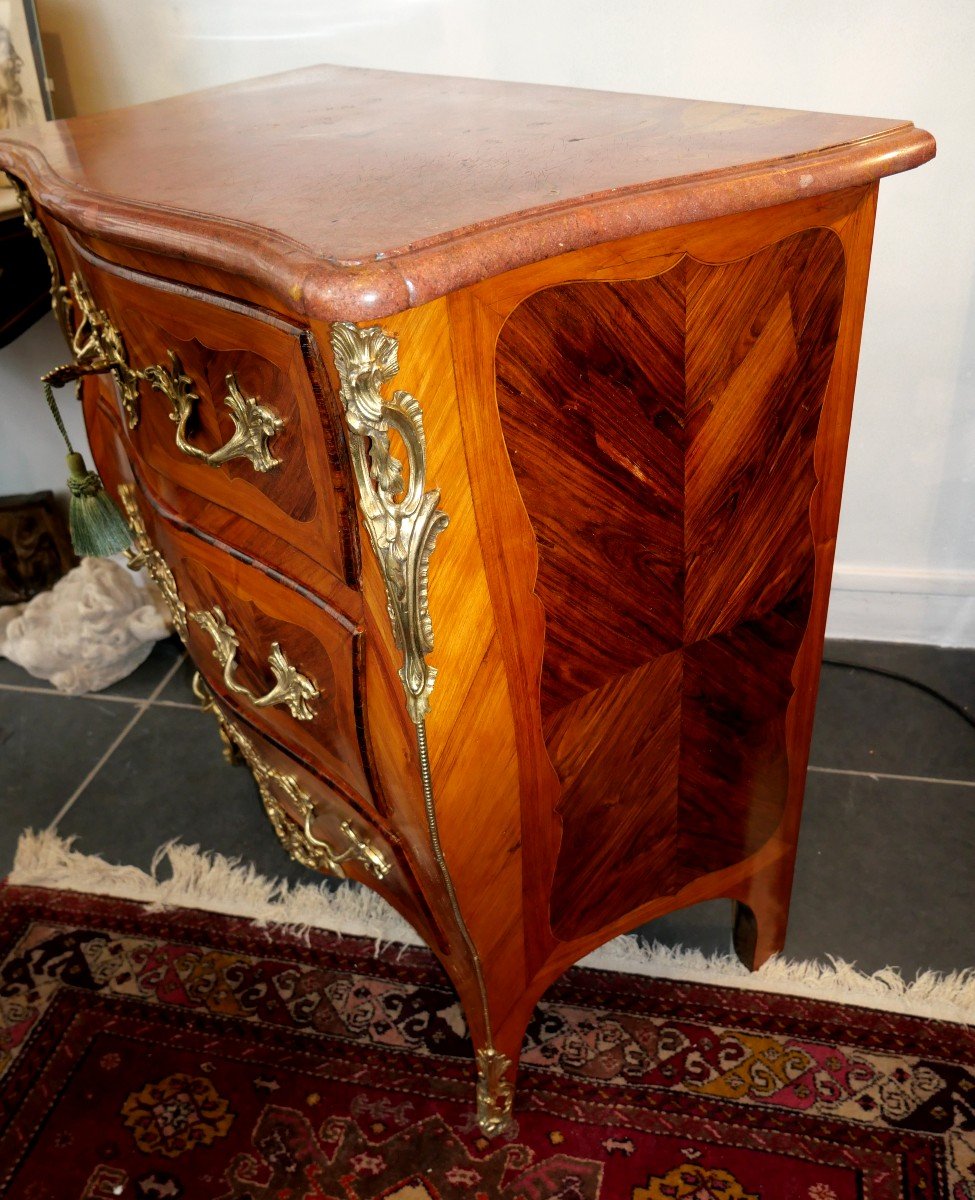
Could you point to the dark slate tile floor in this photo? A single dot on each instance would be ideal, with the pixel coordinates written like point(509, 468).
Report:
point(886, 868)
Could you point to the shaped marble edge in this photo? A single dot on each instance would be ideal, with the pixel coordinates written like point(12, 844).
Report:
point(312, 284)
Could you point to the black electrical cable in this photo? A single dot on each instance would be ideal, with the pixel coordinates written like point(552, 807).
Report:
point(914, 683)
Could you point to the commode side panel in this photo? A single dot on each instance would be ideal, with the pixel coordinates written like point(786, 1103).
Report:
point(662, 435)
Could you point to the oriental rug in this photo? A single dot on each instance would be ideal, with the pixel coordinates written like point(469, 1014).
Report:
point(187, 1055)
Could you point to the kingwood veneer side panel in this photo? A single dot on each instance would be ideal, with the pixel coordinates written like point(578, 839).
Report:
point(661, 432)
point(815, 325)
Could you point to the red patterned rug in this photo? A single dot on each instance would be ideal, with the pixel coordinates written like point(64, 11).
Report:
point(184, 1055)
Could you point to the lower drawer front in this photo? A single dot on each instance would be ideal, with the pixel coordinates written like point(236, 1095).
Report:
point(274, 655)
point(318, 828)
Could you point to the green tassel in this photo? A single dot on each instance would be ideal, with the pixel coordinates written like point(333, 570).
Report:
point(97, 527)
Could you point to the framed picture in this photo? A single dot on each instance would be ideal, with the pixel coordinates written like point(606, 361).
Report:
point(24, 94)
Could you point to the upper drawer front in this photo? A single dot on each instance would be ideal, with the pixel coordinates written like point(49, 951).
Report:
point(222, 404)
point(284, 662)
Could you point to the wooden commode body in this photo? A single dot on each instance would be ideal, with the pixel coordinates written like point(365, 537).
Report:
point(487, 442)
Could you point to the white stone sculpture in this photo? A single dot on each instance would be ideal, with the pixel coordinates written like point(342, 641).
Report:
point(94, 627)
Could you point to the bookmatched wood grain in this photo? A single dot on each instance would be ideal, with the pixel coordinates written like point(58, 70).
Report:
point(620, 473)
point(661, 433)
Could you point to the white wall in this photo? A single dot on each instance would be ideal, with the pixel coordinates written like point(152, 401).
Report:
point(906, 557)
point(31, 449)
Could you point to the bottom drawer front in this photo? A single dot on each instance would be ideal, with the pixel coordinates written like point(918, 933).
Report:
point(296, 818)
point(317, 827)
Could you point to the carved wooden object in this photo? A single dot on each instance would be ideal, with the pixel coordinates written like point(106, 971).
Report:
point(495, 489)
point(35, 547)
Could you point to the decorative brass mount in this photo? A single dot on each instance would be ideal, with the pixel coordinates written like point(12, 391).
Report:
point(495, 1094)
point(403, 533)
point(60, 298)
point(291, 688)
point(96, 347)
point(144, 554)
point(297, 838)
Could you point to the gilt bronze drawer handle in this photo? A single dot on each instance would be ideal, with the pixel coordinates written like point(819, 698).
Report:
point(97, 346)
point(291, 688)
point(358, 849)
point(254, 423)
point(296, 837)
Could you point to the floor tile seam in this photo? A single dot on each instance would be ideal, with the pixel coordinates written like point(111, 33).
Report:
point(133, 700)
point(163, 683)
point(37, 690)
point(80, 789)
point(967, 783)
point(117, 741)
point(51, 691)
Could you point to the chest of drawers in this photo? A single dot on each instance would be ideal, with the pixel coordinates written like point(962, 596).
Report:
point(487, 444)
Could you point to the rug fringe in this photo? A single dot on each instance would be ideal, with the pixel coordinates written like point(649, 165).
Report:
point(213, 882)
point(945, 997)
point(216, 883)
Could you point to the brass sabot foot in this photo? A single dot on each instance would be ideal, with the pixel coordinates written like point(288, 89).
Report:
point(495, 1095)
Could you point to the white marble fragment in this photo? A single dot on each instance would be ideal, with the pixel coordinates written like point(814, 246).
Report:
point(94, 627)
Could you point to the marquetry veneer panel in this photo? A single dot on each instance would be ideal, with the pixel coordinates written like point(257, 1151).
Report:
point(676, 569)
point(304, 499)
